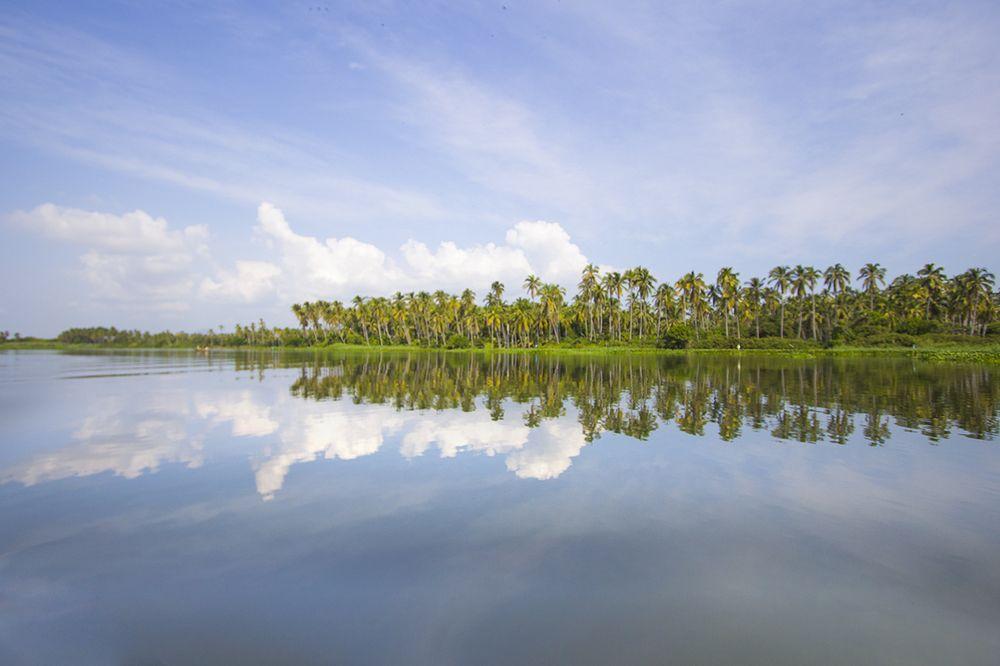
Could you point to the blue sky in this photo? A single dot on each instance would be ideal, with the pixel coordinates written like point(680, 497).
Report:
point(168, 165)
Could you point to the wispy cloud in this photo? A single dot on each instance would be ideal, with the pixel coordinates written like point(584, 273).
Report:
point(682, 136)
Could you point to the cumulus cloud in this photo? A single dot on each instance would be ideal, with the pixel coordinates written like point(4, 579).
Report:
point(136, 232)
point(129, 258)
point(311, 267)
point(547, 246)
point(315, 266)
point(248, 282)
point(140, 260)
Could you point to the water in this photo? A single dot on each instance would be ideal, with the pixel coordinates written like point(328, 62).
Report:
point(166, 508)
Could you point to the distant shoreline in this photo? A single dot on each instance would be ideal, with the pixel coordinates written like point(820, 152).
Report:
point(973, 353)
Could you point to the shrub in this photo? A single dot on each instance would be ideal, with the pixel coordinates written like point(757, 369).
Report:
point(457, 341)
point(888, 340)
point(677, 336)
point(354, 338)
point(918, 326)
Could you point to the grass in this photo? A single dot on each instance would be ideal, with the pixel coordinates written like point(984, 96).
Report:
point(988, 352)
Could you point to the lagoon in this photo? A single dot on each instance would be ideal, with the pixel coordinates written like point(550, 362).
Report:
point(430, 507)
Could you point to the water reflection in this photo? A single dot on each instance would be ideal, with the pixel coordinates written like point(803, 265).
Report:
point(807, 401)
point(537, 412)
point(117, 439)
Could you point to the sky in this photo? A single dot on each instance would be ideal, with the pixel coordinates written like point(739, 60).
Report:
point(172, 165)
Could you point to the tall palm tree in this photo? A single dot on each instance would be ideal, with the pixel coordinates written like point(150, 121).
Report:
point(552, 300)
point(642, 282)
point(780, 278)
point(589, 289)
point(872, 276)
point(532, 285)
point(361, 314)
point(663, 301)
point(614, 284)
point(932, 279)
point(976, 286)
point(836, 279)
point(728, 284)
point(754, 293)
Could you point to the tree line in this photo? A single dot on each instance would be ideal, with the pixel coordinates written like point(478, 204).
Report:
point(791, 307)
point(797, 303)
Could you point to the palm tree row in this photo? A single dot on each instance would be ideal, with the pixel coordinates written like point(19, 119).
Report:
point(633, 306)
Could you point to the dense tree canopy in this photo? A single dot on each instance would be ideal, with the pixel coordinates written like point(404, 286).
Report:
point(797, 306)
point(633, 307)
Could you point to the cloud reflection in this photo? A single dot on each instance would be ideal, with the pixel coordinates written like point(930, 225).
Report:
point(127, 443)
point(114, 440)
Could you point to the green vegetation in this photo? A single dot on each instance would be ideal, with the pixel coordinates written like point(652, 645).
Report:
point(796, 310)
point(784, 312)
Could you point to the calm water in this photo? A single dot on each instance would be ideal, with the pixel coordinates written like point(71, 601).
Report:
point(425, 508)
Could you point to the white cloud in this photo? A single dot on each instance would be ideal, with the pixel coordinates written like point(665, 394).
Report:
point(136, 232)
point(139, 260)
point(548, 247)
point(249, 282)
point(345, 266)
point(313, 267)
point(130, 258)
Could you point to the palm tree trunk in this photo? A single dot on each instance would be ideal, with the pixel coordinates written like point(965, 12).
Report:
point(814, 316)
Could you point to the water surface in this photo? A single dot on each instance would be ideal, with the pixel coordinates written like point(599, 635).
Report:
point(162, 508)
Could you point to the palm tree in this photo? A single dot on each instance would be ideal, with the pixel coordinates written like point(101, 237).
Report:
point(804, 283)
point(360, 313)
point(932, 280)
point(836, 279)
point(663, 301)
point(552, 300)
point(614, 284)
point(871, 276)
point(532, 285)
point(754, 293)
point(975, 285)
point(780, 278)
point(589, 289)
point(300, 314)
point(693, 287)
point(642, 281)
point(728, 285)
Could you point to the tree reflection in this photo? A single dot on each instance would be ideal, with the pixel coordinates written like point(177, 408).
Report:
point(807, 401)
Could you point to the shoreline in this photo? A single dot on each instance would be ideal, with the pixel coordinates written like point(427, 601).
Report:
point(985, 353)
